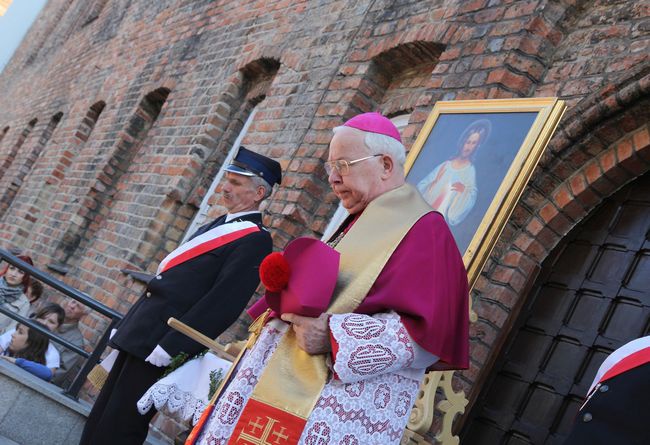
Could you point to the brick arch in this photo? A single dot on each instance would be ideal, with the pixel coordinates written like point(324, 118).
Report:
point(598, 149)
point(99, 198)
point(14, 182)
point(556, 200)
point(574, 198)
point(9, 158)
point(402, 66)
point(599, 107)
point(27, 210)
point(424, 35)
point(362, 83)
point(259, 56)
point(244, 89)
point(387, 77)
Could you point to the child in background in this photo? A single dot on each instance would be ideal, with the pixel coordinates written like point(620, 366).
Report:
point(27, 350)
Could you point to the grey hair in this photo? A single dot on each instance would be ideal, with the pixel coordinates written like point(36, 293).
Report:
point(261, 182)
point(382, 144)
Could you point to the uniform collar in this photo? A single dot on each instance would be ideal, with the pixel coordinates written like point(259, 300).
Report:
point(233, 216)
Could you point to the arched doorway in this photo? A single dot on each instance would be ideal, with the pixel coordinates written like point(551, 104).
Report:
point(592, 296)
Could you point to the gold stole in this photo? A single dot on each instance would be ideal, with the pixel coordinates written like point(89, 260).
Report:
point(293, 380)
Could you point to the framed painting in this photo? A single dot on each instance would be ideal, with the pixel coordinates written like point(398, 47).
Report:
point(472, 161)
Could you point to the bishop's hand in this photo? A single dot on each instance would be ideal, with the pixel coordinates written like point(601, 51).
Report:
point(312, 334)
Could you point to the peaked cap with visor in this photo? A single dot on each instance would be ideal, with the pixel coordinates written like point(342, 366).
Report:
point(249, 163)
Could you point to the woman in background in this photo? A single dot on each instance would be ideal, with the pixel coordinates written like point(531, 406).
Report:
point(13, 287)
point(27, 350)
point(51, 316)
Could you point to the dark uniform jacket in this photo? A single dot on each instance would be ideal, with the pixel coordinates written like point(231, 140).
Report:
point(207, 293)
point(618, 412)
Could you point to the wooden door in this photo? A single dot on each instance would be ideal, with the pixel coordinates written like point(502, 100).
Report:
point(592, 296)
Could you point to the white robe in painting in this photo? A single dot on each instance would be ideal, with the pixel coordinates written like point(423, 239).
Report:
point(378, 371)
point(436, 188)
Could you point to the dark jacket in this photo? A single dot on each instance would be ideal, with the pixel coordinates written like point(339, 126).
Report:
point(207, 293)
point(617, 413)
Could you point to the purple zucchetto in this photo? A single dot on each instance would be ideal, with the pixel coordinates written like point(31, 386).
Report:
point(374, 123)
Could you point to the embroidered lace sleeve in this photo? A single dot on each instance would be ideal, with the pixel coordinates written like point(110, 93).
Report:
point(365, 346)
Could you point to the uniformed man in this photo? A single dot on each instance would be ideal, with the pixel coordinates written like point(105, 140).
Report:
point(205, 283)
point(617, 409)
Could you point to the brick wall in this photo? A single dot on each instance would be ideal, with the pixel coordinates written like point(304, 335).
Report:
point(115, 183)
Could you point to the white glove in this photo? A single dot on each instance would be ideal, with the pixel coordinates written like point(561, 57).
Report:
point(159, 357)
point(109, 361)
point(113, 331)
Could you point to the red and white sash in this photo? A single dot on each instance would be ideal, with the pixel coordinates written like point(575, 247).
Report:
point(628, 356)
point(210, 240)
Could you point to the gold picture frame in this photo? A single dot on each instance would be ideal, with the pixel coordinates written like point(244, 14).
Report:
point(487, 149)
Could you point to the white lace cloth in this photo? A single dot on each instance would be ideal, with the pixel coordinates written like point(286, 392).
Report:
point(183, 394)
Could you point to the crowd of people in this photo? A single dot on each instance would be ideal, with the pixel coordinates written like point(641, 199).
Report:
point(27, 347)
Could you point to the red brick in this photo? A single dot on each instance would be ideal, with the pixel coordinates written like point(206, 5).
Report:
point(641, 139)
point(509, 79)
point(574, 210)
point(471, 5)
point(624, 150)
point(614, 171)
point(509, 295)
point(520, 216)
point(592, 172)
point(644, 153)
point(479, 352)
point(548, 212)
point(562, 196)
point(561, 224)
point(607, 161)
point(535, 225)
point(483, 332)
point(491, 312)
point(537, 251)
point(512, 258)
point(627, 158)
point(472, 374)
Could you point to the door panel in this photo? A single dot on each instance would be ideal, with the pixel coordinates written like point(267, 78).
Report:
point(592, 296)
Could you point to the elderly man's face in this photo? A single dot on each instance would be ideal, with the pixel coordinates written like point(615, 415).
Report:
point(362, 183)
point(239, 193)
point(73, 309)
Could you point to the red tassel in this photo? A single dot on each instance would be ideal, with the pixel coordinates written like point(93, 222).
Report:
point(196, 431)
point(274, 272)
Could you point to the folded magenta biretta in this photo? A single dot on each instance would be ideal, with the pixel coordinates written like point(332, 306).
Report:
point(300, 280)
point(374, 123)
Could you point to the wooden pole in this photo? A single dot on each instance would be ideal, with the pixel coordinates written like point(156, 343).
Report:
point(195, 335)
